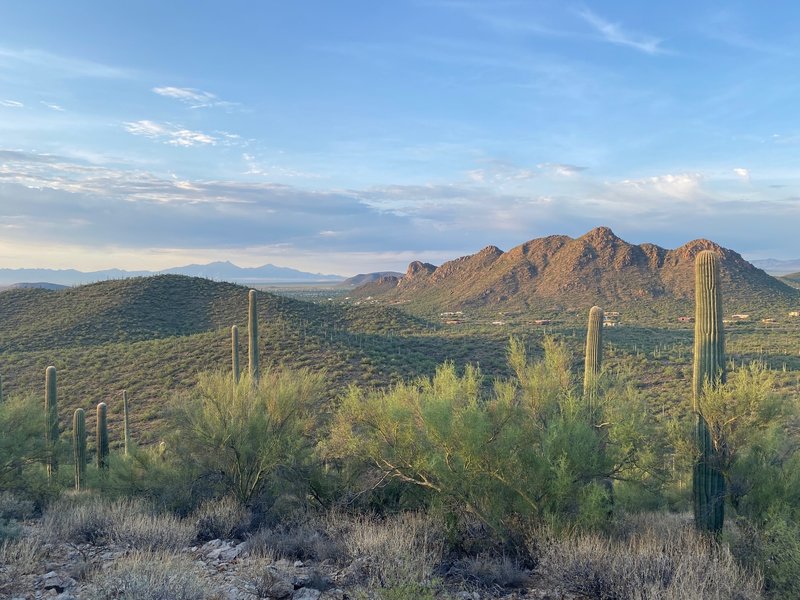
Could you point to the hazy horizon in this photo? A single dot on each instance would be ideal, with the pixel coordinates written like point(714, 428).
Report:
point(353, 137)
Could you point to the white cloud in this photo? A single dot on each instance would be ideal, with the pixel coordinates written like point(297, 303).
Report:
point(742, 173)
point(561, 169)
point(681, 186)
point(614, 34)
point(169, 133)
point(11, 104)
point(55, 107)
point(193, 97)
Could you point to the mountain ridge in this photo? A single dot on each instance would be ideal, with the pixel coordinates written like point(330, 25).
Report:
point(217, 270)
point(573, 273)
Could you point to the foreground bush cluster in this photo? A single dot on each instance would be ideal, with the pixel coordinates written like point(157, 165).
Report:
point(445, 481)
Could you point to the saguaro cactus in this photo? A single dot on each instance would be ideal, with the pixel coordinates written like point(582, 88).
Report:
point(50, 420)
point(252, 333)
point(125, 431)
point(79, 447)
point(708, 482)
point(235, 352)
point(102, 436)
point(594, 354)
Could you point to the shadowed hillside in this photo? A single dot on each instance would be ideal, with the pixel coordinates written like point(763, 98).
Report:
point(559, 272)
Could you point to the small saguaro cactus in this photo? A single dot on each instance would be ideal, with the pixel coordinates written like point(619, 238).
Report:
point(50, 420)
point(79, 447)
point(235, 352)
point(126, 435)
point(1, 388)
point(252, 335)
point(102, 436)
point(708, 482)
point(594, 353)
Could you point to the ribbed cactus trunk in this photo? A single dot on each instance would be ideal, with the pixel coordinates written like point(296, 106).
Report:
point(708, 482)
point(102, 436)
point(252, 333)
point(235, 352)
point(1, 388)
point(79, 447)
point(593, 363)
point(51, 420)
point(594, 357)
point(126, 434)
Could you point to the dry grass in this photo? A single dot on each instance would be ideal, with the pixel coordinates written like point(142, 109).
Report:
point(80, 520)
point(150, 576)
point(400, 550)
point(223, 518)
point(657, 557)
point(18, 558)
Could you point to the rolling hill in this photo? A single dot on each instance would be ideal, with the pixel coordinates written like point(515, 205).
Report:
point(561, 273)
point(152, 335)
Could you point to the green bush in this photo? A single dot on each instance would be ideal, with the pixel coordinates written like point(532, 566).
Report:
point(241, 438)
point(524, 447)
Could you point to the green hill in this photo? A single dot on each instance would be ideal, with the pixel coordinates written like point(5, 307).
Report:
point(152, 335)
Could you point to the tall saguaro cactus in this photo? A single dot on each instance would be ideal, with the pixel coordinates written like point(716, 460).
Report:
point(594, 354)
point(252, 335)
point(79, 447)
point(126, 434)
point(235, 352)
point(50, 420)
point(708, 483)
point(102, 436)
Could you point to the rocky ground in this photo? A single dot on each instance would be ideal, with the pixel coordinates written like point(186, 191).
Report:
point(228, 571)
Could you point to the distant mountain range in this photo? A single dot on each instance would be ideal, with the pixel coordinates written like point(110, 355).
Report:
point(218, 271)
point(363, 278)
point(774, 266)
point(565, 273)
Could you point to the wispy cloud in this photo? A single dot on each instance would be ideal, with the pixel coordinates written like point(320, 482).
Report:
point(52, 106)
point(11, 104)
point(59, 65)
point(169, 134)
point(614, 34)
point(562, 169)
point(193, 97)
point(742, 173)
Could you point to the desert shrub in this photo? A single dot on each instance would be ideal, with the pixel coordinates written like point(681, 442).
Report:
point(400, 553)
point(157, 478)
point(150, 576)
point(126, 522)
point(19, 557)
point(488, 571)
point(526, 447)
point(771, 547)
point(663, 559)
point(22, 450)
point(313, 539)
point(223, 518)
point(244, 437)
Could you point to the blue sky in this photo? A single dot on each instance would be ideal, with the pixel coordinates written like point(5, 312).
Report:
point(354, 136)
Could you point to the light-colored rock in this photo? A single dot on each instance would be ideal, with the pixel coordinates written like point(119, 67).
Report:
point(230, 553)
point(306, 594)
point(298, 564)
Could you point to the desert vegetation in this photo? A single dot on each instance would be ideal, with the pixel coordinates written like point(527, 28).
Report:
point(570, 463)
